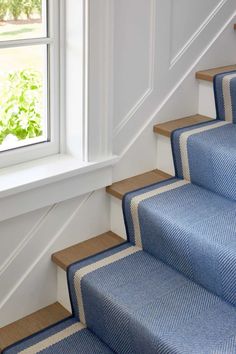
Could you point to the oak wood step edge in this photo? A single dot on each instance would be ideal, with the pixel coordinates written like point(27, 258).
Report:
point(32, 324)
point(119, 189)
point(208, 75)
point(85, 249)
point(167, 128)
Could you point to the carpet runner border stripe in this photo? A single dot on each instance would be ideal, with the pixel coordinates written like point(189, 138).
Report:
point(44, 344)
point(183, 142)
point(93, 267)
point(223, 92)
point(137, 199)
point(226, 87)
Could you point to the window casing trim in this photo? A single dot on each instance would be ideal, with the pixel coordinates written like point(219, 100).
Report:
point(68, 173)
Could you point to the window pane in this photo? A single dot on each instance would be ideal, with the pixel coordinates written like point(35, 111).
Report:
point(23, 96)
point(22, 19)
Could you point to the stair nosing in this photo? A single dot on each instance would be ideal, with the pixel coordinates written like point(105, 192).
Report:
point(115, 190)
point(82, 250)
point(208, 74)
point(164, 130)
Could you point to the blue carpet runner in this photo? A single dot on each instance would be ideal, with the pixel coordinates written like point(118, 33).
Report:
point(171, 289)
point(68, 336)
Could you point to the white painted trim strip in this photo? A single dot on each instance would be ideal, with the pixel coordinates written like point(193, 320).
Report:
point(140, 198)
point(25, 42)
point(183, 142)
point(227, 97)
point(47, 248)
point(24, 242)
point(151, 74)
point(57, 337)
point(197, 33)
point(95, 266)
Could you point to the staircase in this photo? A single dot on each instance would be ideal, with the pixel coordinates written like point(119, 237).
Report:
point(193, 299)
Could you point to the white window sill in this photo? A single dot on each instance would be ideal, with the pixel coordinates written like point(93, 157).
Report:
point(33, 185)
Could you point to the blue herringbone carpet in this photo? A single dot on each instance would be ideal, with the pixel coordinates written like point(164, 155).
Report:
point(171, 289)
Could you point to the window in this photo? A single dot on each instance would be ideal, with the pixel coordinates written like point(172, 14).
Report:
point(29, 79)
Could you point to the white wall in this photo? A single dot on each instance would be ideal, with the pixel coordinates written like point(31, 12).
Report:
point(158, 46)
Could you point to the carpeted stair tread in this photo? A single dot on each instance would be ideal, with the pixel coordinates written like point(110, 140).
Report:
point(119, 189)
point(137, 304)
point(205, 155)
point(189, 228)
point(225, 96)
point(31, 324)
point(67, 337)
point(85, 249)
point(208, 75)
point(167, 128)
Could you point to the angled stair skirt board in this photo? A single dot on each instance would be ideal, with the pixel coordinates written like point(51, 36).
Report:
point(171, 288)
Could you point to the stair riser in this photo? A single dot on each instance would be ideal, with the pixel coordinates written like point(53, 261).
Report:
point(206, 101)
point(116, 215)
point(206, 107)
point(62, 289)
point(164, 155)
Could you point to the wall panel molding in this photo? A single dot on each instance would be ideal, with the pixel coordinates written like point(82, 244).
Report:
point(169, 72)
point(60, 226)
point(196, 34)
point(151, 73)
point(23, 243)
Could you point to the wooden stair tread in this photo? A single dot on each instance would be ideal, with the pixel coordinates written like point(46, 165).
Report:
point(119, 189)
point(31, 324)
point(209, 74)
point(168, 127)
point(80, 251)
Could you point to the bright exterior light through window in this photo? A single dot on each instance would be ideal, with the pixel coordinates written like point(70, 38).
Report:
point(24, 67)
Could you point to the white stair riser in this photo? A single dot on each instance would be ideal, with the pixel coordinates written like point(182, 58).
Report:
point(164, 155)
point(116, 215)
point(206, 100)
point(62, 289)
point(206, 107)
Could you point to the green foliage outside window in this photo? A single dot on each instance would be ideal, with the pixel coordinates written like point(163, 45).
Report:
point(38, 5)
point(28, 7)
point(16, 7)
point(21, 105)
point(4, 5)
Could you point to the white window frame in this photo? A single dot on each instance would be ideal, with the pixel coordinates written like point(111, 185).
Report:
point(46, 148)
point(84, 161)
